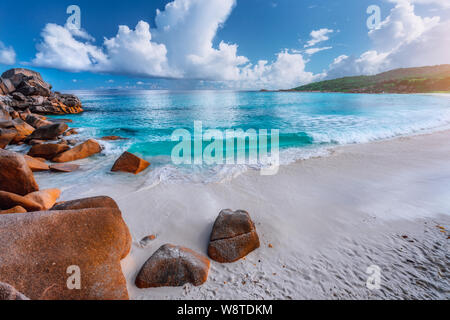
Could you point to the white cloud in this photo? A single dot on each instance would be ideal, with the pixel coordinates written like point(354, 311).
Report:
point(318, 36)
point(181, 47)
point(440, 3)
point(403, 39)
point(312, 51)
point(7, 55)
point(60, 49)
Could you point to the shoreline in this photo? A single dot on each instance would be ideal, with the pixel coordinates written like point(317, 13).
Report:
point(321, 216)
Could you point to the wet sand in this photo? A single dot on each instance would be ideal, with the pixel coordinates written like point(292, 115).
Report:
point(322, 222)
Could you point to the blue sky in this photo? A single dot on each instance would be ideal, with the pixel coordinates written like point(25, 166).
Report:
point(191, 56)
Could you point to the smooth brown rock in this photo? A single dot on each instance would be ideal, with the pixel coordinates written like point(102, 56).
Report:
point(112, 138)
point(47, 151)
point(49, 132)
point(46, 198)
point(36, 122)
point(173, 266)
point(10, 200)
point(128, 162)
point(7, 292)
point(94, 202)
point(24, 130)
point(64, 167)
point(7, 136)
point(233, 237)
point(36, 165)
point(82, 151)
point(38, 249)
point(15, 175)
point(16, 209)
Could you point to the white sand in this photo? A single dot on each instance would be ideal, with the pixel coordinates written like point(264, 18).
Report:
point(328, 219)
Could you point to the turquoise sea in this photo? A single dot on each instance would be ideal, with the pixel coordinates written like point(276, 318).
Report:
point(309, 123)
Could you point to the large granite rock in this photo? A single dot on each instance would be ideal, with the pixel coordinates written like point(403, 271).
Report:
point(23, 129)
point(36, 122)
point(41, 253)
point(27, 82)
point(130, 163)
point(94, 202)
point(49, 132)
point(82, 151)
point(173, 266)
point(47, 151)
point(15, 175)
point(24, 89)
point(233, 237)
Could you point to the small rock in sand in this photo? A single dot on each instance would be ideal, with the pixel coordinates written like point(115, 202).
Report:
point(146, 241)
point(233, 237)
point(173, 266)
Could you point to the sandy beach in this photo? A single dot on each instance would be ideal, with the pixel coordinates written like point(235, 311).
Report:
point(322, 222)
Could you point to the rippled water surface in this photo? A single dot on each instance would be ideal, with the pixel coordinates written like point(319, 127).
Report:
point(308, 123)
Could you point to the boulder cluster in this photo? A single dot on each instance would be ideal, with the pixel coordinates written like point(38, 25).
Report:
point(25, 99)
point(233, 237)
point(43, 240)
point(23, 89)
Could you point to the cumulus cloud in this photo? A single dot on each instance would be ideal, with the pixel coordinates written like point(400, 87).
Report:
point(318, 36)
point(403, 39)
point(7, 55)
point(287, 71)
point(180, 47)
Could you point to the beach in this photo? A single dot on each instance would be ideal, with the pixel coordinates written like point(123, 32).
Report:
point(322, 222)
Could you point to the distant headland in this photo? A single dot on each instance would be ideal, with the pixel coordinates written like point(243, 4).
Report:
point(434, 79)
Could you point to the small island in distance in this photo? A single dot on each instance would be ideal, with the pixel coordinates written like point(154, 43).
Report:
point(434, 79)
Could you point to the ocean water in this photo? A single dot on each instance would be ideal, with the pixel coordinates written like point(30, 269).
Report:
point(309, 124)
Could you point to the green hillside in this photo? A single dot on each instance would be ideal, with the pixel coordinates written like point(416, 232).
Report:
point(408, 80)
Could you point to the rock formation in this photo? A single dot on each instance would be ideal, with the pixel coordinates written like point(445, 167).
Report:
point(22, 89)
